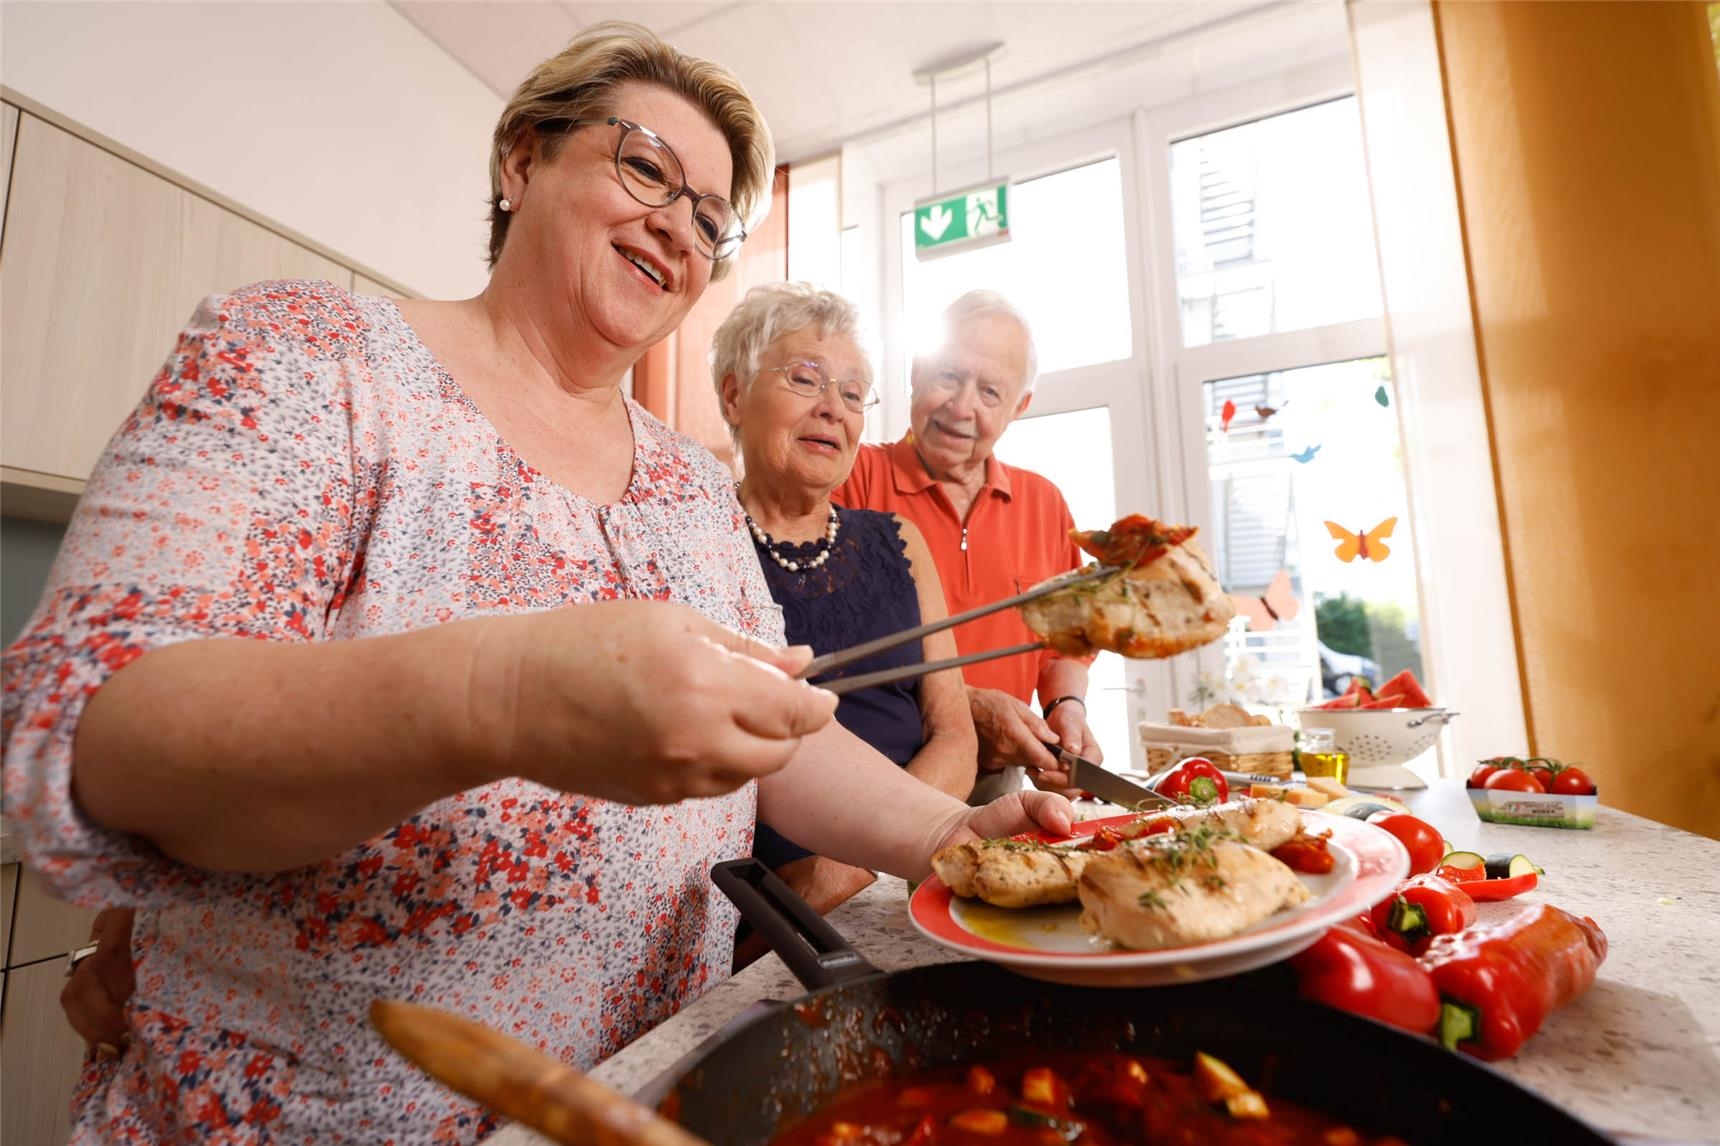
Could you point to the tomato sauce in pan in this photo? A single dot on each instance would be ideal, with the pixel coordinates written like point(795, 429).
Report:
point(1103, 1099)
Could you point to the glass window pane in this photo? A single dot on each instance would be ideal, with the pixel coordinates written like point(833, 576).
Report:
point(1273, 226)
point(1074, 451)
point(1064, 266)
point(1304, 448)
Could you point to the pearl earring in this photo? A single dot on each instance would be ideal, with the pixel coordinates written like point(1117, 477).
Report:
point(505, 206)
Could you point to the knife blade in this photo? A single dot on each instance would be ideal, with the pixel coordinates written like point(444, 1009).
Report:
point(1107, 785)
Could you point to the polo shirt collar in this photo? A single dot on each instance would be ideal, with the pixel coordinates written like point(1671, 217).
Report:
point(911, 476)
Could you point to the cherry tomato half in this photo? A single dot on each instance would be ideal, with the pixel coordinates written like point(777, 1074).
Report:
point(1573, 782)
point(1511, 780)
point(1426, 846)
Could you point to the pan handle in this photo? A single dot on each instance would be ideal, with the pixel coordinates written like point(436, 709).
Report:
point(813, 950)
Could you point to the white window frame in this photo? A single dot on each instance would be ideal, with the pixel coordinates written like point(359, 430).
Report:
point(1170, 475)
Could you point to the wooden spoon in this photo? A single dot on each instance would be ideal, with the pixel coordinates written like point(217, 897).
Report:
point(519, 1082)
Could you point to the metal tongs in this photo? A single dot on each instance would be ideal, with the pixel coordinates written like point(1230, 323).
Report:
point(818, 666)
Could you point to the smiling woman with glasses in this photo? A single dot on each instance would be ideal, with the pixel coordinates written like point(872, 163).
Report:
point(795, 386)
point(652, 174)
point(454, 637)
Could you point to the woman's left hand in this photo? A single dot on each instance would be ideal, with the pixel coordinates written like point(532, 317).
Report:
point(1011, 815)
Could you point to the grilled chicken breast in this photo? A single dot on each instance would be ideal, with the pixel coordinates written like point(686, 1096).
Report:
point(1171, 891)
point(1264, 823)
point(1011, 873)
point(1157, 609)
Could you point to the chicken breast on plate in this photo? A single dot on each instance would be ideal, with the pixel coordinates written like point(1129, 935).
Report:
point(1176, 890)
point(1017, 873)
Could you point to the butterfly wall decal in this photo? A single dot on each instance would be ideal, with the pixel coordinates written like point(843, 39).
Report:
point(1382, 397)
point(1278, 603)
point(1306, 455)
point(1266, 412)
point(1226, 414)
point(1369, 544)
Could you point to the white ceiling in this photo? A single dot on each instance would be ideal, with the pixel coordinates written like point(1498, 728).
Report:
point(829, 74)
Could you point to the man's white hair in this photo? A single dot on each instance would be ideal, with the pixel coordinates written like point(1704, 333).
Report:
point(766, 314)
point(979, 302)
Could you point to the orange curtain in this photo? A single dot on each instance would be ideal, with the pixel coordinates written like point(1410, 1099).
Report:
point(673, 379)
point(1587, 145)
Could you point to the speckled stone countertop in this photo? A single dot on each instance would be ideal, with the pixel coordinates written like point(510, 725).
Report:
point(1640, 1053)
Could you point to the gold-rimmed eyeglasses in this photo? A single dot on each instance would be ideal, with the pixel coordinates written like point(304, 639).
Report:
point(652, 173)
point(811, 380)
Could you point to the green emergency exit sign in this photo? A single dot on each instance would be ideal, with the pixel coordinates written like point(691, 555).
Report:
point(961, 222)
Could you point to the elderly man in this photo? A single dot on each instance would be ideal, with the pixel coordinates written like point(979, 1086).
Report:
point(993, 530)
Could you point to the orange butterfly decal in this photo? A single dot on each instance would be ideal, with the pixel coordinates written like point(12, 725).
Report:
point(1278, 603)
point(1369, 544)
point(1226, 414)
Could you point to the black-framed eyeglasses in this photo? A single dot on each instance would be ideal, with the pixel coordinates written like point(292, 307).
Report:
point(811, 380)
point(652, 174)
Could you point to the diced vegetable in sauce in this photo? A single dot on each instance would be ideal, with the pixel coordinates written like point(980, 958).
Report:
point(1099, 1099)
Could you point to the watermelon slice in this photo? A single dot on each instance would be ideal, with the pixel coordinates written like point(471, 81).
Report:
point(1407, 690)
point(1355, 698)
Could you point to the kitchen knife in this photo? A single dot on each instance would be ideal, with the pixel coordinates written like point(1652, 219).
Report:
point(1106, 785)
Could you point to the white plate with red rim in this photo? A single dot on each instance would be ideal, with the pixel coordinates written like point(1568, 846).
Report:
point(1049, 942)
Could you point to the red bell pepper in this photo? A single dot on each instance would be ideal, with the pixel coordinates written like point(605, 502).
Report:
point(1498, 984)
point(1423, 907)
point(1349, 971)
point(1196, 780)
point(1483, 890)
point(1362, 924)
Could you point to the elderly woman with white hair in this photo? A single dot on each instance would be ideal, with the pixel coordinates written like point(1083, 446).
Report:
point(795, 387)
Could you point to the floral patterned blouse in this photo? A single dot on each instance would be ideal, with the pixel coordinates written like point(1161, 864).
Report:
point(302, 469)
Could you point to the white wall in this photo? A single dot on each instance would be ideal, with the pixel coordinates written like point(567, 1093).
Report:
point(338, 120)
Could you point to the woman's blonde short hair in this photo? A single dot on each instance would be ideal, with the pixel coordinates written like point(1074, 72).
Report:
point(765, 315)
point(579, 83)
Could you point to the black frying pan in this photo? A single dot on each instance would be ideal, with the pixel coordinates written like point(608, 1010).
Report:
point(859, 1023)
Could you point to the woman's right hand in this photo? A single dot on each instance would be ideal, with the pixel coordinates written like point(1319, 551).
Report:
point(99, 986)
point(643, 702)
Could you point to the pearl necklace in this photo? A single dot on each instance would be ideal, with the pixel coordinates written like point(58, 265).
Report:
point(769, 545)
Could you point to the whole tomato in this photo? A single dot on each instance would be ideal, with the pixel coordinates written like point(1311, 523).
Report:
point(1196, 780)
point(1426, 846)
point(1478, 777)
point(1573, 782)
point(1513, 780)
point(1542, 771)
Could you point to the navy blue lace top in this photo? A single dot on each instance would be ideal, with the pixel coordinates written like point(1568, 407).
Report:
point(864, 590)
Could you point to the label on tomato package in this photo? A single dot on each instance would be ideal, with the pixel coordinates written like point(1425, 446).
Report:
point(1533, 809)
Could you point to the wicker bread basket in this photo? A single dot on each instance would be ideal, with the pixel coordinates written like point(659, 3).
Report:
point(1260, 750)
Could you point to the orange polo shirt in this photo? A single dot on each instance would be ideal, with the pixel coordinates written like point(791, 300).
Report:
point(1016, 535)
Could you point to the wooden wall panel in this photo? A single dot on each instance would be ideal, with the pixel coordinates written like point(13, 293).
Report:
point(1587, 146)
point(104, 262)
point(8, 136)
point(673, 379)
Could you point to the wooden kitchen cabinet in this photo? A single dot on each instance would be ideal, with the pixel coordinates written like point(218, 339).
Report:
point(8, 894)
point(364, 284)
point(44, 927)
point(40, 1058)
point(103, 262)
point(8, 133)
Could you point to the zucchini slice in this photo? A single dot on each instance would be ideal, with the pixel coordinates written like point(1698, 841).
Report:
point(1467, 861)
point(1504, 865)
